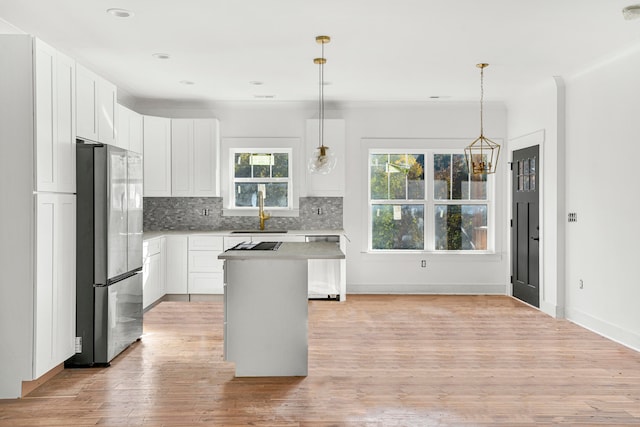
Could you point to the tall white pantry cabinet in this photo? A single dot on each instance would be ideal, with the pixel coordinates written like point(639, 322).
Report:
point(38, 213)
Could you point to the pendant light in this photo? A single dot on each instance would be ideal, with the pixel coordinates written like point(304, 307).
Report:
point(322, 160)
point(482, 154)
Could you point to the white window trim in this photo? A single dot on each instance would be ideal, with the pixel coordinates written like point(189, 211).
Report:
point(233, 179)
point(256, 145)
point(428, 147)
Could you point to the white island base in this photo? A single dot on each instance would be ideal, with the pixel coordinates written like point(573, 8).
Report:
point(266, 316)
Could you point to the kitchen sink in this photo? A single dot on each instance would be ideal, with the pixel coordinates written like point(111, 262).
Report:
point(258, 231)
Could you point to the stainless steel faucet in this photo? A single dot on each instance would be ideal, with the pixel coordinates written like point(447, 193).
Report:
point(261, 213)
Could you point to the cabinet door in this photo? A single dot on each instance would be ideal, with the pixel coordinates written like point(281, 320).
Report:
point(107, 101)
point(205, 160)
point(194, 157)
point(135, 132)
point(153, 271)
point(177, 272)
point(54, 328)
point(86, 103)
point(182, 157)
point(157, 156)
point(122, 127)
point(55, 120)
point(206, 283)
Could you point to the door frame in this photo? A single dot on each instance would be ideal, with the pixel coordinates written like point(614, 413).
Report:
point(518, 143)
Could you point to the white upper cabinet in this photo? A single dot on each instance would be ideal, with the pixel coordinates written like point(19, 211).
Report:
point(157, 156)
point(86, 103)
point(333, 183)
point(135, 132)
point(129, 129)
point(194, 157)
point(122, 130)
point(54, 84)
point(107, 101)
point(95, 107)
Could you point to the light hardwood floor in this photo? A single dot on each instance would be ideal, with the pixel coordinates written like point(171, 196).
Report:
point(373, 360)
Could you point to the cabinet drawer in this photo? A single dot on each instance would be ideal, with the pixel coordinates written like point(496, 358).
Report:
point(206, 283)
point(205, 262)
point(205, 243)
point(152, 247)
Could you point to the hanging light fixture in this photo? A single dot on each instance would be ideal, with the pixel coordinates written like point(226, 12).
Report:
point(482, 154)
point(322, 160)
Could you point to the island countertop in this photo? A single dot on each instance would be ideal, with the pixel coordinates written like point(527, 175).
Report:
point(289, 250)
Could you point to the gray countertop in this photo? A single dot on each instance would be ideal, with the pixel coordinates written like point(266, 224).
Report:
point(226, 233)
point(289, 250)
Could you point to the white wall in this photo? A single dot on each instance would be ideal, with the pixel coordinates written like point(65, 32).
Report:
point(402, 273)
point(536, 117)
point(430, 121)
point(603, 147)
point(7, 28)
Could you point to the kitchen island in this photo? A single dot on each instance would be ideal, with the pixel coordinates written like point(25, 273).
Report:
point(265, 307)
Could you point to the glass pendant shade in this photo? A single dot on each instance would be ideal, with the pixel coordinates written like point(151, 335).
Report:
point(322, 161)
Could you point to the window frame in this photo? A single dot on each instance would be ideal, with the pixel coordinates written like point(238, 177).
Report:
point(255, 144)
point(233, 180)
point(429, 202)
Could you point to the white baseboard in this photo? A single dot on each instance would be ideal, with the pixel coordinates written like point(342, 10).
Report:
point(449, 289)
point(552, 310)
point(615, 333)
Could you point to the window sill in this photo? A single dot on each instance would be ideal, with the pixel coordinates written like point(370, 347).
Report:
point(439, 255)
point(254, 212)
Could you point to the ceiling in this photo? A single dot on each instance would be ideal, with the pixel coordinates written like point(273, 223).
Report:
point(381, 50)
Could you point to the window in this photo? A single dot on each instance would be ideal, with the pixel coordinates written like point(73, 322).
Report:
point(267, 171)
point(426, 200)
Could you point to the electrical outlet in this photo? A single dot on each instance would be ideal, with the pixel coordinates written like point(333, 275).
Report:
point(319, 211)
point(581, 284)
point(205, 211)
point(572, 217)
point(423, 263)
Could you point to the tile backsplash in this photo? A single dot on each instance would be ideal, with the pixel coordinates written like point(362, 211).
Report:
point(187, 213)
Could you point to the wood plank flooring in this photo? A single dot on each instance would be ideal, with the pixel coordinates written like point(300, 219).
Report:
point(373, 361)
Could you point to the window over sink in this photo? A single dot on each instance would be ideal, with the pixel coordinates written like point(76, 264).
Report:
point(261, 170)
point(272, 165)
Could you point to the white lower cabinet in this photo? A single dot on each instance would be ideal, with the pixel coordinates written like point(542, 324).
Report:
point(205, 269)
point(188, 264)
point(55, 288)
point(177, 264)
point(153, 271)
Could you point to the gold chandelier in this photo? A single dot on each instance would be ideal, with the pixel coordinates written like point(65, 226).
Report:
point(482, 154)
point(322, 160)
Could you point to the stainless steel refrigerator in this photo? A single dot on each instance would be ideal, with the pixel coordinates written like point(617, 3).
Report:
point(109, 252)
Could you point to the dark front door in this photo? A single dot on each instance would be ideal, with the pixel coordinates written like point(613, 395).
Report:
point(525, 230)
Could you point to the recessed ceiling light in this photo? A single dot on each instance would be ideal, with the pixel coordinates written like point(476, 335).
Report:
point(187, 82)
point(120, 13)
point(631, 12)
point(264, 96)
point(161, 55)
point(256, 83)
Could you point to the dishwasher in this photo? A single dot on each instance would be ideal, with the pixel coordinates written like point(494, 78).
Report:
point(324, 274)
